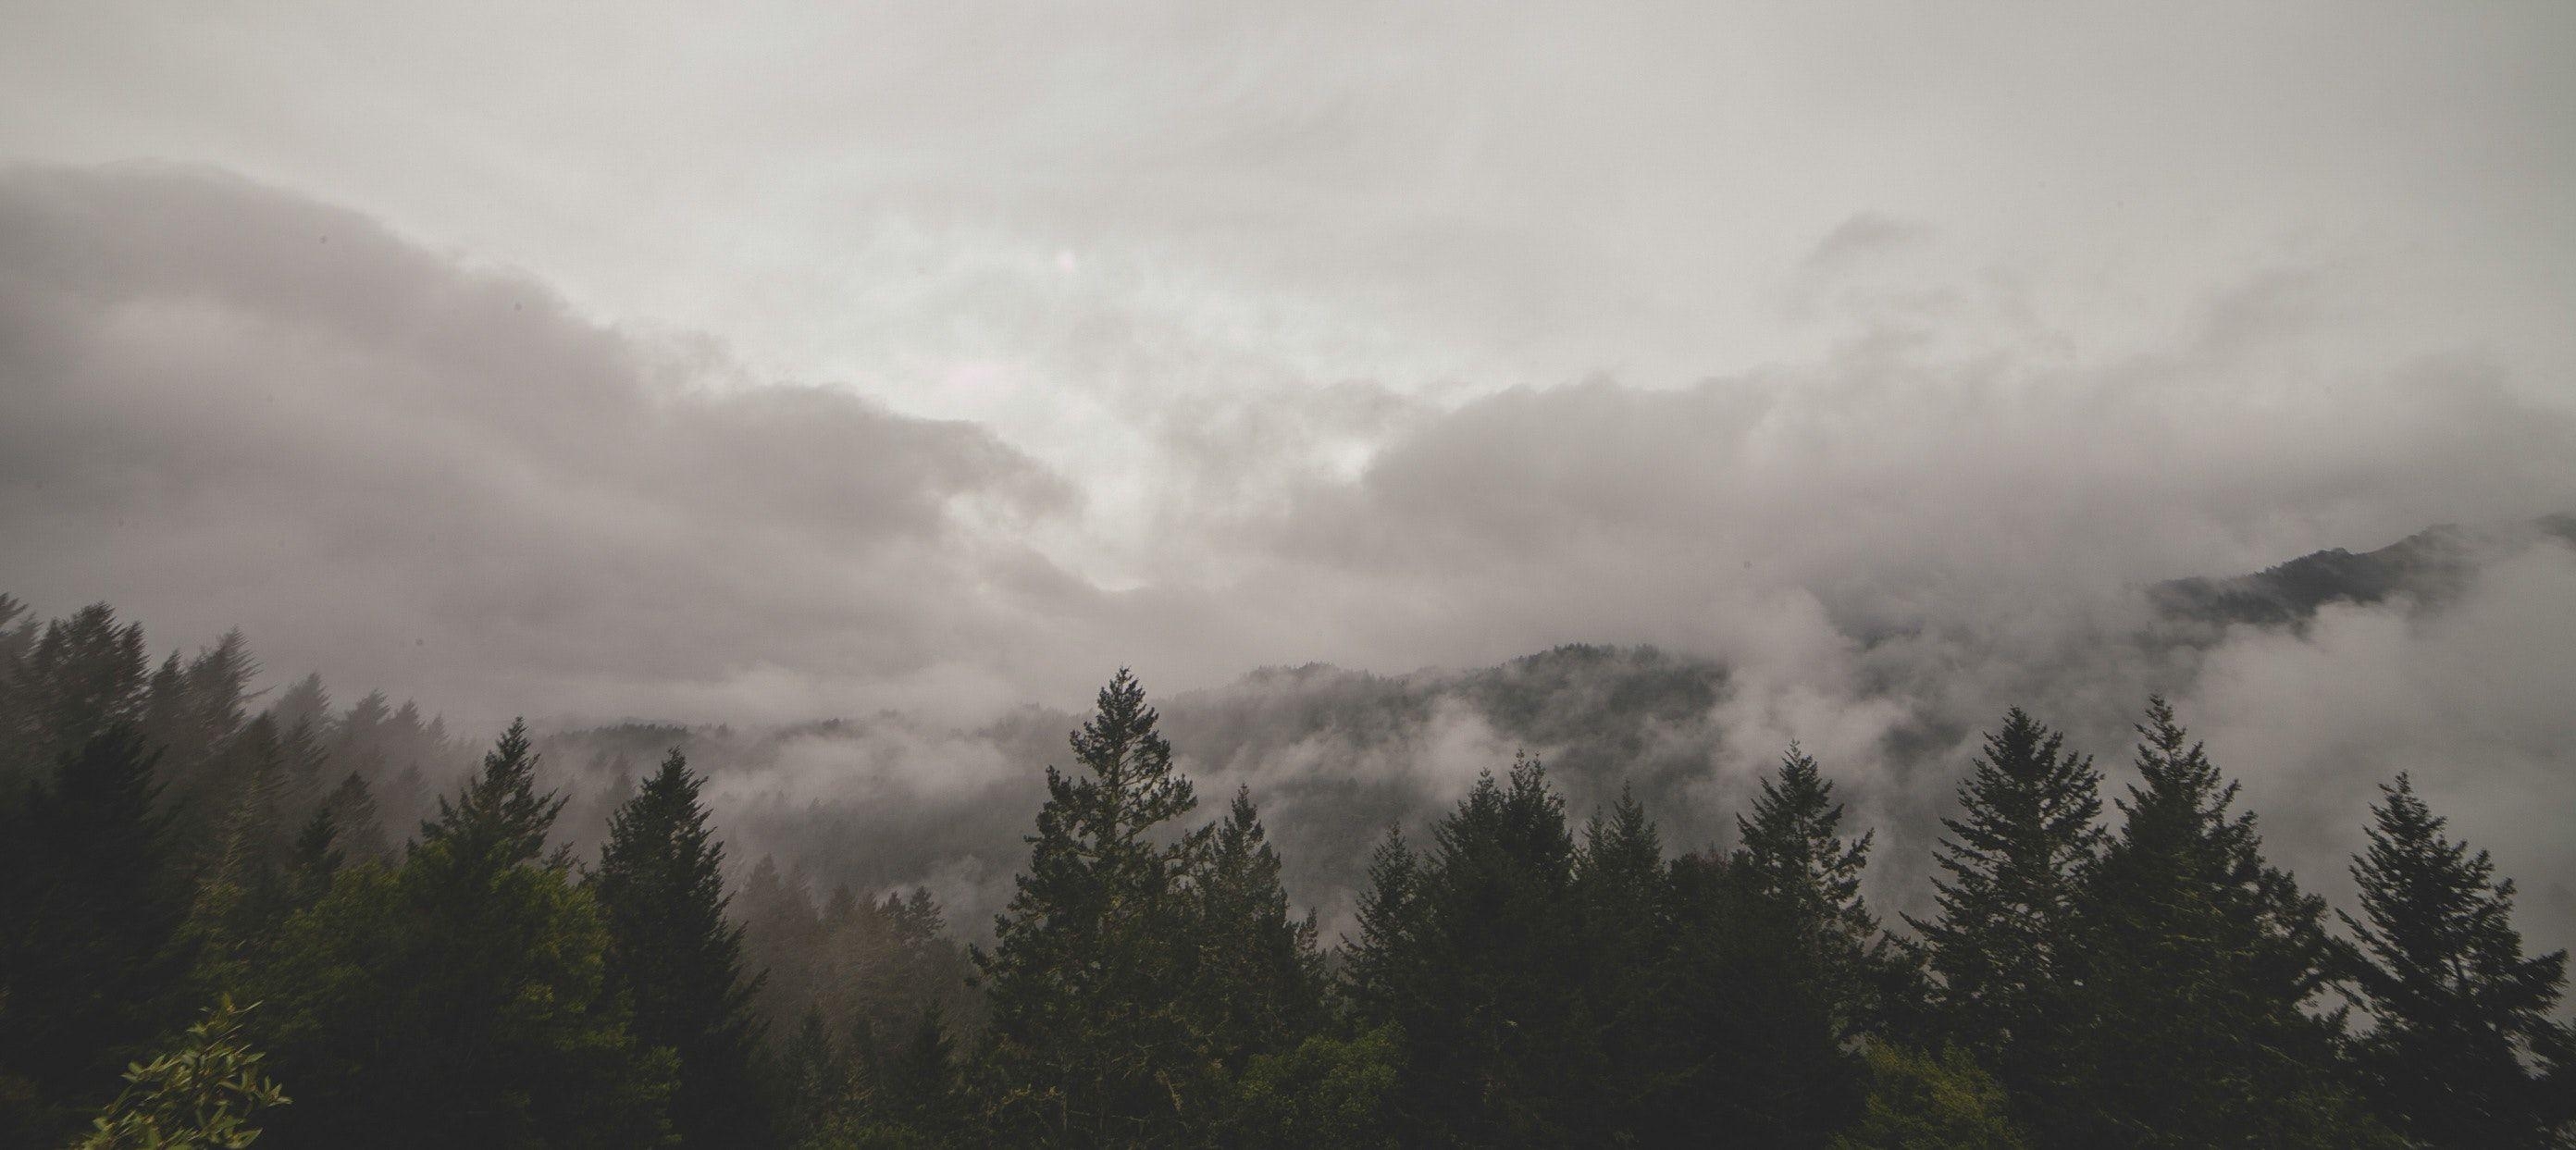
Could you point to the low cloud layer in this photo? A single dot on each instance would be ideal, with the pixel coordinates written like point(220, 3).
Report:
point(234, 406)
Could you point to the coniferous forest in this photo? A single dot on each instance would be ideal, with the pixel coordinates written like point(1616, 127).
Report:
point(236, 916)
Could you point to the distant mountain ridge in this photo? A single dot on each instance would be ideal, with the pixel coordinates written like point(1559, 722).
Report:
point(2430, 566)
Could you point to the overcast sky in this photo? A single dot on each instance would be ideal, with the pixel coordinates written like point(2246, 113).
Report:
point(761, 362)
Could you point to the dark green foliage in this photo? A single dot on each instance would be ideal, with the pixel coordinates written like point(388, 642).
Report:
point(193, 714)
point(1089, 978)
point(1468, 952)
point(1624, 906)
point(1793, 853)
point(499, 821)
point(2025, 837)
point(675, 958)
point(810, 1081)
point(2463, 1035)
point(355, 825)
point(1326, 1092)
point(81, 676)
point(1259, 979)
point(89, 917)
point(2198, 962)
point(461, 998)
point(1749, 1044)
point(1919, 1101)
point(910, 1095)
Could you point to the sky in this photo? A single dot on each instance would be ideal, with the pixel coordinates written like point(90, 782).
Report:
point(782, 362)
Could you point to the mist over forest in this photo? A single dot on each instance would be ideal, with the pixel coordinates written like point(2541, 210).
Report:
point(890, 801)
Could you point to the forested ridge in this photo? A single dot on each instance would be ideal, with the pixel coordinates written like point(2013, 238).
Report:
point(229, 916)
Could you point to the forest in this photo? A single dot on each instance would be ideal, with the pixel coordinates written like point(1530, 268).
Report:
point(233, 917)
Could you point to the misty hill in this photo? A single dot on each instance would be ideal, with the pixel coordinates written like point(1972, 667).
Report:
point(2430, 567)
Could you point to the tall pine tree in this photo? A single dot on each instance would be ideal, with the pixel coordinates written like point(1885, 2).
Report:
point(461, 998)
point(90, 909)
point(1091, 965)
point(1259, 977)
point(1622, 899)
point(1473, 951)
point(2026, 834)
point(2197, 963)
point(2463, 1032)
point(678, 961)
point(1793, 852)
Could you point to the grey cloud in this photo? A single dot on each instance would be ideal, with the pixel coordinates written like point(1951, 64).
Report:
point(229, 404)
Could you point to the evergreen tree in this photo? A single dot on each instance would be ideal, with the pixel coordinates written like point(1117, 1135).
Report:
point(671, 952)
point(812, 1081)
point(2197, 962)
point(2463, 1034)
point(903, 1097)
point(1377, 967)
point(1792, 852)
point(1469, 953)
point(1329, 1091)
point(1260, 978)
point(304, 703)
point(1091, 963)
point(1622, 898)
point(783, 939)
point(461, 998)
point(355, 824)
point(1750, 1042)
point(317, 857)
point(499, 821)
point(245, 887)
point(89, 913)
point(2026, 834)
point(82, 676)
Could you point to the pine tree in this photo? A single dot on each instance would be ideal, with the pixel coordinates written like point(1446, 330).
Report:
point(1750, 1039)
point(355, 825)
point(2015, 857)
point(1090, 967)
point(82, 676)
point(1622, 898)
point(89, 917)
point(1260, 978)
point(1376, 968)
point(1792, 851)
point(2463, 1028)
point(192, 715)
point(783, 939)
point(2197, 962)
point(1469, 952)
point(678, 961)
point(811, 1080)
point(317, 856)
point(499, 821)
point(460, 998)
point(304, 703)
